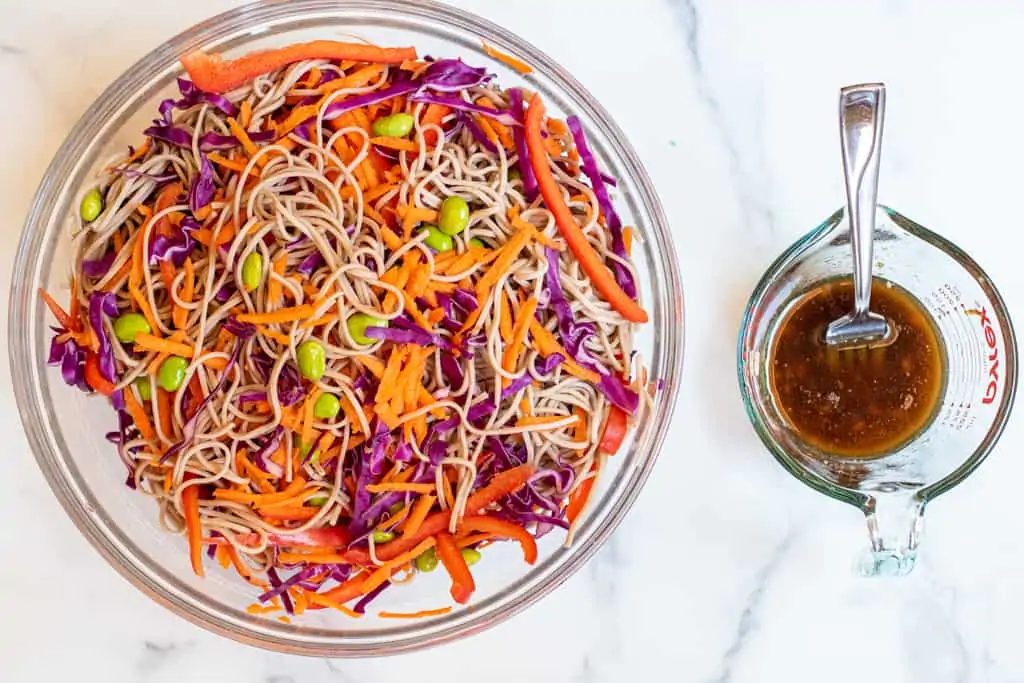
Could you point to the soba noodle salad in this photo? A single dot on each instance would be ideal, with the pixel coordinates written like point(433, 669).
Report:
point(359, 314)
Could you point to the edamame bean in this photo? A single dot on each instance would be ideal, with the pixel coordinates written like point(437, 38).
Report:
point(383, 536)
point(454, 216)
point(326, 407)
point(471, 556)
point(91, 206)
point(357, 324)
point(477, 242)
point(427, 562)
point(171, 374)
point(312, 359)
point(394, 126)
point(252, 271)
point(145, 390)
point(437, 240)
point(317, 501)
point(396, 507)
point(514, 174)
point(130, 324)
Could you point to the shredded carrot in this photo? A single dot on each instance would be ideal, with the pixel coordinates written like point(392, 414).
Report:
point(257, 609)
point(149, 342)
point(400, 144)
point(503, 133)
point(139, 152)
point(413, 488)
point(281, 315)
point(230, 164)
point(210, 72)
point(165, 405)
point(323, 600)
point(505, 320)
point(627, 239)
point(547, 421)
point(420, 509)
point(138, 415)
point(59, 313)
point(180, 314)
point(388, 381)
point(508, 60)
point(258, 499)
point(383, 573)
point(412, 216)
point(240, 133)
point(525, 408)
point(510, 357)
point(415, 615)
point(193, 527)
point(205, 235)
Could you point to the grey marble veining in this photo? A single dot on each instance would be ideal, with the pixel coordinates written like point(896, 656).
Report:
point(726, 570)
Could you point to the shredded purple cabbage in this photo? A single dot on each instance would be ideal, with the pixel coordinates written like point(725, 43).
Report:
point(360, 607)
point(301, 576)
point(515, 97)
point(262, 455)
point(289, 386)
point(176, 248)
point(239, 329)
point(276, 582)
point(453, 75)
point(618, 393)
point(502, 116)
point(484, 408)
point(416, 335)
point(574, 335)
point(465, 300)
point(97, 268)
point(203, 186)
point(310, 263)
point(225, 292)
point(100, 304)
point(338, 108)
point(208, 142)
point(71, 358)
point(190, 97)
point(547, 365)
point(622, 274)
point(452, 369)
point(477, 132)
point(252, 397)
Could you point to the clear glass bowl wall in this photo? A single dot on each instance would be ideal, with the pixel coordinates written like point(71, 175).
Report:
point(66, 427)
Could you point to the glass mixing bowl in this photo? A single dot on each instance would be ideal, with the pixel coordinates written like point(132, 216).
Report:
point(66, 427)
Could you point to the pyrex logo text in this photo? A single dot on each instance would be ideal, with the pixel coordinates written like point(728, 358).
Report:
point(993, 353)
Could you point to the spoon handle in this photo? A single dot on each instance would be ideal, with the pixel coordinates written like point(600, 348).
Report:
point(861, 115)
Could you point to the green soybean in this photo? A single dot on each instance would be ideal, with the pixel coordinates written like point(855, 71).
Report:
point(427, 562)
point(130, 324)
point(252, 271)
point(91, 206)
point(477, 242)
point(312, 359)
point(396, 507)
point(514, 174)
point(471, 556)
point(383, 536)
point(437, 240)
point(454, 216)
point(171, 374)
point(326, 406)
point(357, 324)
point(394, 126)
point(318, 501)
point(145, 390)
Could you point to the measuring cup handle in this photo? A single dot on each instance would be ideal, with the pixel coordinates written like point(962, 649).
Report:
point(895, 524)
point(861, 118)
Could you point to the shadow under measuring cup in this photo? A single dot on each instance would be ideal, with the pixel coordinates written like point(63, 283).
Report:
point(980, 366)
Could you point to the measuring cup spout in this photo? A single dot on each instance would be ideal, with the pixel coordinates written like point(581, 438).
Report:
point(895, 521)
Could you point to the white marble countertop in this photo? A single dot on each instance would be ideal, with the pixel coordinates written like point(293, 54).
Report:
point(726, 570)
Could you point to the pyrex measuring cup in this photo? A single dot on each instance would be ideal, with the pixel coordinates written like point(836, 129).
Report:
point(981, 378)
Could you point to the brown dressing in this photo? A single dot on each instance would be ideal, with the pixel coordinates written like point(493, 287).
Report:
point(859, 403)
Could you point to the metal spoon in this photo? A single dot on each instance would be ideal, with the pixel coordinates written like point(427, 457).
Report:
point(861, 115)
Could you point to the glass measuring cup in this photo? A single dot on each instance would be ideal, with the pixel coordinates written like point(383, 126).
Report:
point(980, 352)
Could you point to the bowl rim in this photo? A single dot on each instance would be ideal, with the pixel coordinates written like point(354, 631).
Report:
point(24, 310)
